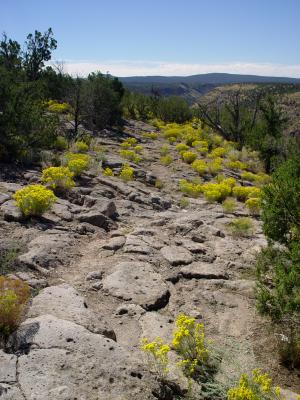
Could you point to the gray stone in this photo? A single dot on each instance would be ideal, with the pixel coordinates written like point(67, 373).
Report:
point(48, 250)
point(9, 392)
point(176, 255)
point(137, 282)
point(193, 246)
point(8, 368)
point(4, 197)
point(94, 275)
point(62, 211)
point(66, 361)
point(64, 302)
point(94, 217)
point(114, 243)
point(11, 212)
point(202, 270)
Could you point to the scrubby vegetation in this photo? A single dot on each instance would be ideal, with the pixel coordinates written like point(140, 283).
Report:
point(34, 200)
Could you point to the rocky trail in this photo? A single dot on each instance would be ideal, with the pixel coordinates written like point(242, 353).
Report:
point(115, 262)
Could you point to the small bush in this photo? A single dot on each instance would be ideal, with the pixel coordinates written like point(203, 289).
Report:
point(215, 166)
point(166, 160)
point(217, 152)
point(127, 173)
point(184, 202)
point(159, 184)
point(81, 147)
point(202, 150)
point(216, 191)
point(255, 387)
point(241, 227)
point(189, 188)
point(157, 352)
point(181, 147)
point(78, 163)
point(164, 149)
point(58, 108)
point(108, 172)
point(8, 256)
point(254, 205)
point(188, 156)
point(58, 178)
point(34, 200)
point(138, 148)
point(130, 155)
point(199, 166)
point(236, 165)
point(151, 135)
point(61, 143)
point(14, 295)
point(229, 206)
point(244, 192)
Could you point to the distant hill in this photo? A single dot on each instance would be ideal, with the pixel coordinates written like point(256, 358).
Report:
point(194, 86)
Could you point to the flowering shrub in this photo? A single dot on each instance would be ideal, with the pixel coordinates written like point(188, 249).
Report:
point(199, 166)
point(151, 135)
point(202, 150)
point(255, 387)
point(244, 192)
point(157, 352)
point(216, 191)
point(188, 156)
point(236, 165)
point(60, 178)
point(130, 155)
point(215, 166)
point(58, 108)
point(127, 173)
point(166, 160)
point(138, 148)
point(254, 205)
point(108, 172)
point(191, 345)
point(77, 163)
point(81, 146)
point(164, 149)
point(14, 294)
point(34, 199)
point(217, 152)
point(181, 147)
point(189, 188)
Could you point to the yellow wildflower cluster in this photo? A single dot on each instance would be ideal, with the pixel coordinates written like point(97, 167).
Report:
point(58, 108)
point(166, 160)
point(158, 351)
point(77, 163)
point(127, 173)
point(217, 152)
point(128, 143)
point(60, 178)
point(81, 146)
point(236, 165)
point(130, 155)
point(34, 199)
point(108, 172)
point(199, 166)
point(189, 188)
point(181, 147)
point(190, 344)
point(246, 192)
point(255, 387)
point(188, 156)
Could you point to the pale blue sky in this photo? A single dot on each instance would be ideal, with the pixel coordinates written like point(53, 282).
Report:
point(168, 37)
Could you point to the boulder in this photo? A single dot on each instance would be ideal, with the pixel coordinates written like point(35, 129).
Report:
point(114, 243)
point(139, 283)
point(94, 217)
point(201, 270)
point(11, 212)
point(8, 368)
point(176, 255)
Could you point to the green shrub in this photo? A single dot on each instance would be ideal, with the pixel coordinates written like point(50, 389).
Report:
point(215, 166)
point(159, 184)
point(181, 147)
point(199, 166)
point(151, 135)
point(61, 143)
point(189, 188)
point(244, 192)
point(241, 227)
point(58, 108)
point(34, 200)
point(138, 148)
point(14, 295)
point(217, 152)
point(8, 256)
point(81, 147)
point(166, 160)
point(184, 202)
point(216, 191)
point(188, 156)
point(229, 206)
point(127, 173)
point(130, 155)
point(236, 165)
point(164, 149)
point(60, 178)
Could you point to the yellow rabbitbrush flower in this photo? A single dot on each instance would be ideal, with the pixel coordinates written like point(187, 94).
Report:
point(158, 352)
point(255, 387)
point(127, 173)
point(77, 163)
point(34, 200)
point(60, 178)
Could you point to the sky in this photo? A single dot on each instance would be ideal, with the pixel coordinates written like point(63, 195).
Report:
point(164, 37)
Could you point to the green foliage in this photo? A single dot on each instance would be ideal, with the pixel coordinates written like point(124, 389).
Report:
point(216, 191)
point(182, 147)
point(8, 256)
point(127, 173)
point(173, 109)
point(245, 192)
point(166, 160)
point(236, 165)
point(255, 387)
point(229, 206)
point(130, 155)
point(58, 178)
point(215, 166)
point(108, 172)
point(61, 143)
point(159, 184)
point(281, 203)
point(199, 166)
point(165, 148)
point(14, 295)
point(189, 188)
point(34, 200)
point(151, 135)
point(241, 227)
point(184, 202)
point(58, 108)
point(254, 205)
point(217, 152)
